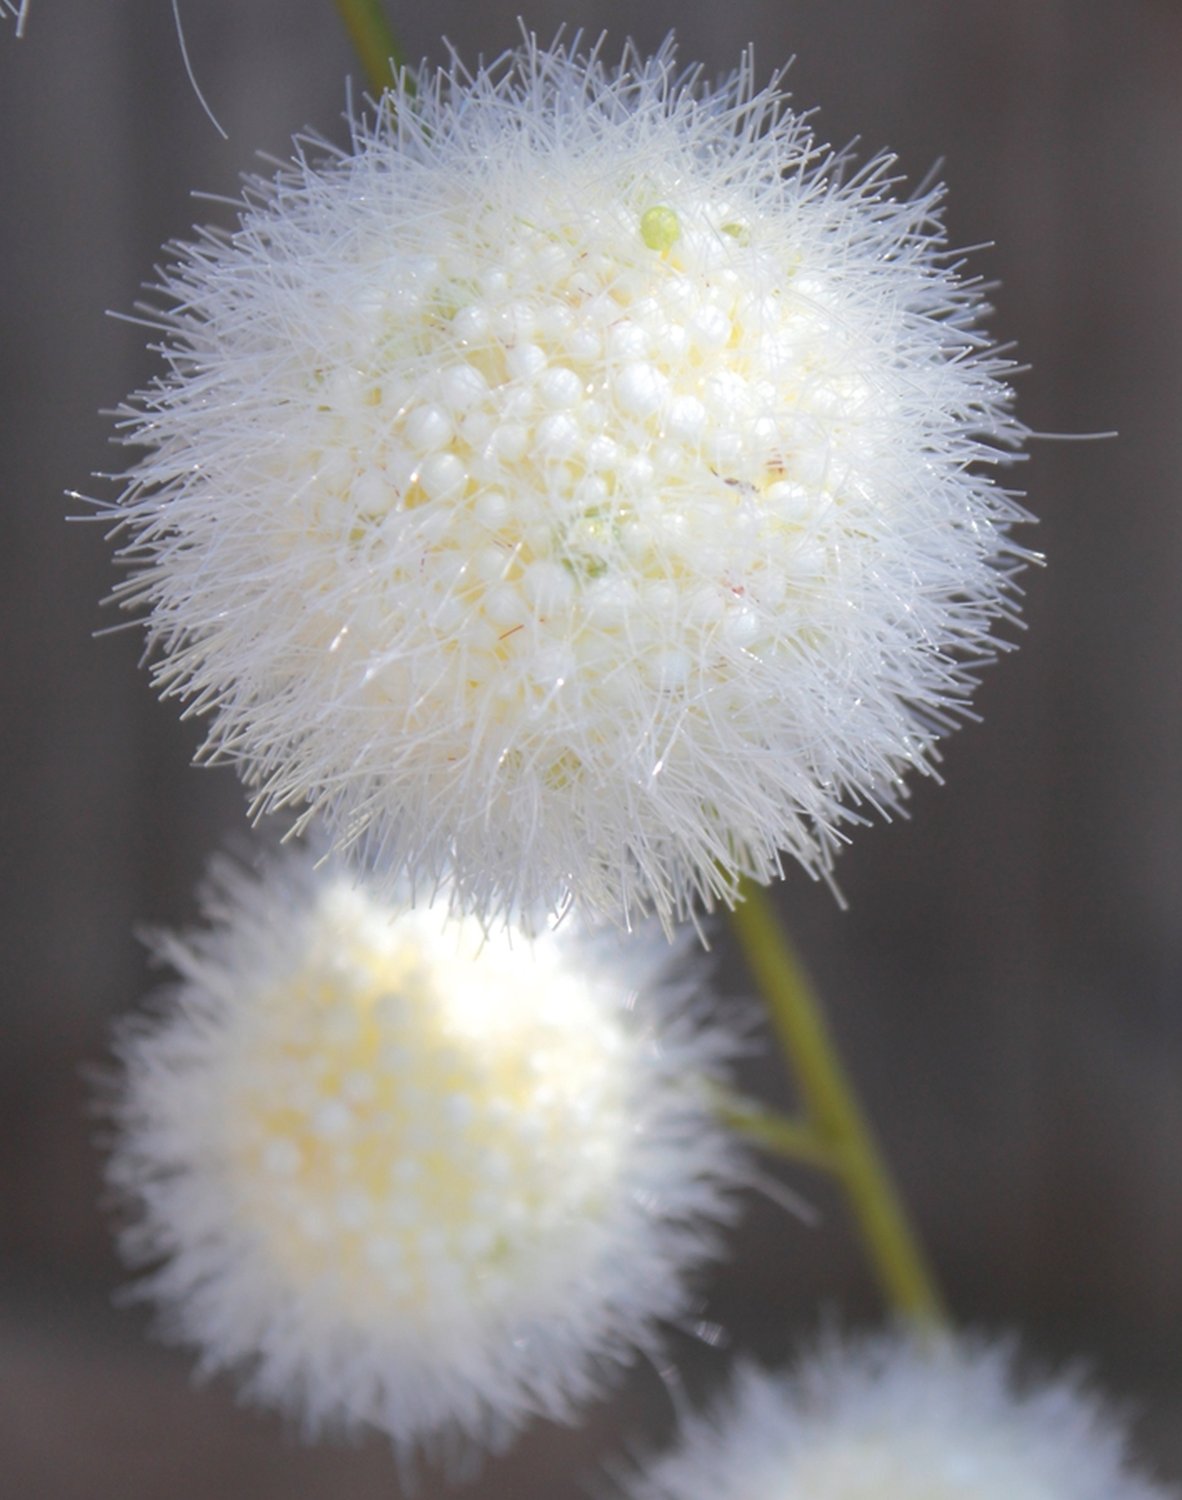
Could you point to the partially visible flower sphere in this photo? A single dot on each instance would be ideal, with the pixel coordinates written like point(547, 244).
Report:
point(583, 485)
point(400, 1173)
point(893, 1418)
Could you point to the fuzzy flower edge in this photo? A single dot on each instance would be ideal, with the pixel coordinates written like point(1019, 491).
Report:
point(583, 485)
point(395, 1172)
point(896, 1416)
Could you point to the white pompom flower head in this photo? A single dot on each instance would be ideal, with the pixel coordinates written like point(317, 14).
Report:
point(397, 1172)
point(896, 1418)
point(583, 484)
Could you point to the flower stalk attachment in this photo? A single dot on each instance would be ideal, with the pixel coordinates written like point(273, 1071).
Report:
point(373, 40)
point(834, 1119)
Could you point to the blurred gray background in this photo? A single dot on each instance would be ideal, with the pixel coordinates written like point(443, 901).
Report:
point(1007, 983)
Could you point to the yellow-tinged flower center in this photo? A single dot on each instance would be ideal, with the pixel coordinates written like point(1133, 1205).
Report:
point(418, 1131)
point(543, 419)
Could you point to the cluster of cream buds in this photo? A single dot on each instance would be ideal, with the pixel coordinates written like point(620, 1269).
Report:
point(581, 487)
point(899, 1418)
point(400, 1172)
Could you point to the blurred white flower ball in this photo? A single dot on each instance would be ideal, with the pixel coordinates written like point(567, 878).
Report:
point(895, 1418)
point(397, 1172)
point(582, 485)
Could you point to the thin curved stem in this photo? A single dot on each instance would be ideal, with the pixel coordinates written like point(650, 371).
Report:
point(373, 40)
point(798, 1140)
point(834, 1115)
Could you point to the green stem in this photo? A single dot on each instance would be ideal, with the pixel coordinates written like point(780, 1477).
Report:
point(373, 41)
point(834, 1115)
point(799, 1140)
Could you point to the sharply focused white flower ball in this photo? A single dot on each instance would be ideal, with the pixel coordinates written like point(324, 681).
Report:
point(584, 484)
point(894, 1418)
point(395, 1171)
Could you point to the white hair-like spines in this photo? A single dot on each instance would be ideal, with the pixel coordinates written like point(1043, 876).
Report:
point(19, 11)
point(899, 1417)
point(584, 486)
point(394, 1171)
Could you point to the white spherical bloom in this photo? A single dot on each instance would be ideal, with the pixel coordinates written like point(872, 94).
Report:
point(897, 1419)
point(398, 1172)
point(583, 485)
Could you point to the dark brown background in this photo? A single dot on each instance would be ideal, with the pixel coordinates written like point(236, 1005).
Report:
point(1008, 981)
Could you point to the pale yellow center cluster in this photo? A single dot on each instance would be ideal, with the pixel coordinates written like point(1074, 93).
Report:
point(425, 1120)
point(564, 441)
point(897, 1464)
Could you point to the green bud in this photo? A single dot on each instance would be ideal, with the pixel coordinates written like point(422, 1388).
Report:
point(660, 228)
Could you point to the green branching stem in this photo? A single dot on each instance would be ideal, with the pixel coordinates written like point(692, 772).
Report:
point(834, 1133)
point(373, 41)
point(798, 1140)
